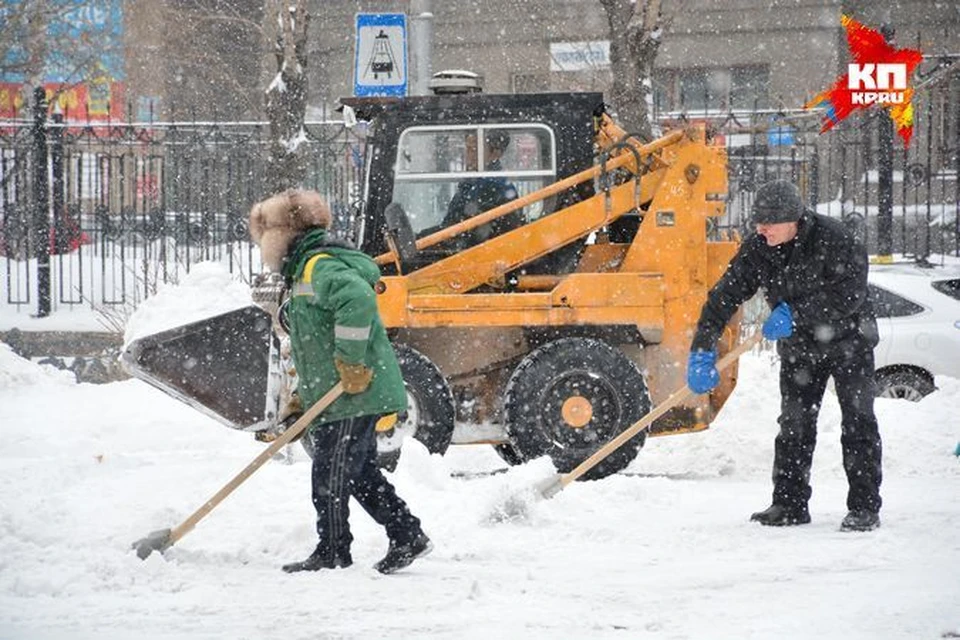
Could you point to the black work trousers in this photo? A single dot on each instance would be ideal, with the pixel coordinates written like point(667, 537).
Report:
point(345, 465)
point(803, 380)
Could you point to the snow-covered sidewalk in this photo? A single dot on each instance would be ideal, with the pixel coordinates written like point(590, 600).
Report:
point(662, 551)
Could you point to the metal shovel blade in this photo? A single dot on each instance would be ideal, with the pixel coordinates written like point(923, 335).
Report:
point(157, 541)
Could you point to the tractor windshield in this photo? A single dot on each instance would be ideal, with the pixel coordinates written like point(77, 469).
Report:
point(445, 175)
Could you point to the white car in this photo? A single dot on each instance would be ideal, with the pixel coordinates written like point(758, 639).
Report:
point(918, 314)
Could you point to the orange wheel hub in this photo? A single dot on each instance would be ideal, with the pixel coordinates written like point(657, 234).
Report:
point(577, 411)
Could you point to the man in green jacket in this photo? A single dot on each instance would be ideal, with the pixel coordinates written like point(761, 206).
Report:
point(336, 335)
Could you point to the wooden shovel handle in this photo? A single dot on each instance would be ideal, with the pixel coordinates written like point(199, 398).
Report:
point(675, 398)
point(302, 423)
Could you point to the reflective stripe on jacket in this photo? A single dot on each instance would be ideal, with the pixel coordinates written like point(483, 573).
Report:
point(333, 314)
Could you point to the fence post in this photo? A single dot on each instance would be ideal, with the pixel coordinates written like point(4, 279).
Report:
point(956, 183)
point(884, 189)
point(41, 212)
point(885, 176)
point(814, 196)
point(61, 230)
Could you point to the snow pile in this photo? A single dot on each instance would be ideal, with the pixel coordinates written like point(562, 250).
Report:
point(739, 443)
point(209, 289)
point(663, 550)
point(16, 372)
point(108, 464)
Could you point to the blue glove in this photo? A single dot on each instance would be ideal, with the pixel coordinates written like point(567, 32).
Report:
point(780, 323)
point(702, 374)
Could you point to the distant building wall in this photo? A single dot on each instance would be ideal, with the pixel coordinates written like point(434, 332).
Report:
point(195, 59)
point(766, 53)
point(511, 49)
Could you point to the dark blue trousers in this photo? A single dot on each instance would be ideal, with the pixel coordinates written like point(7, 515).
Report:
point(803, 380)
point(345, 465)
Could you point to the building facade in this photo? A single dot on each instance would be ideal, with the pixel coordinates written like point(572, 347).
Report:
point(735, 54)
point(746, 66)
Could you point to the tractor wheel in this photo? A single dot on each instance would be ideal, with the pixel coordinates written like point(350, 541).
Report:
point(386, 459)
point(429, 416)
point(569, 397)
point(430, 412)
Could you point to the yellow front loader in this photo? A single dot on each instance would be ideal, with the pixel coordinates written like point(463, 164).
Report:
point(500, 342)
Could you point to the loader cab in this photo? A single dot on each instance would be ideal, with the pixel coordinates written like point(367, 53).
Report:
point(445, 158)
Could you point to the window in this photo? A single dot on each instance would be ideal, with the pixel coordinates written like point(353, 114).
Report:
point(695, 90)
point(748, 87)
point(529, 83)
point(443, 176)
point(889, 305)
point(948, 287)
point(713, 89)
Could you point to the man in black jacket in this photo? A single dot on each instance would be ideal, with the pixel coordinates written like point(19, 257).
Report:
point(813, 274)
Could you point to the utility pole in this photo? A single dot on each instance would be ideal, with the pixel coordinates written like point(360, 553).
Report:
point(421, 46)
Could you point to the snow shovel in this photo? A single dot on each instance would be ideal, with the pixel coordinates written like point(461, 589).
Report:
point(552, 486)
point(165, 538)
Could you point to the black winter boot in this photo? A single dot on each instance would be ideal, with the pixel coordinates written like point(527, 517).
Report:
point(780, 516)
point(401, 555)
point(860, 521)
point(319, 559)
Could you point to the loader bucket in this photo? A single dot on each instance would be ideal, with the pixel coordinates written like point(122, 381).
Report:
point(220, 366)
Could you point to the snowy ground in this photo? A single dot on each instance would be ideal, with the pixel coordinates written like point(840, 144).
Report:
point(662, 551)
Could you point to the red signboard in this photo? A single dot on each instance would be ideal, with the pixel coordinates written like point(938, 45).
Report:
point(95, 101)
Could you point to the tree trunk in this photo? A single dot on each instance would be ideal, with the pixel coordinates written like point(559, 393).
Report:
point(27, 48)
point(635, 31)
point(36, 18)
point(287, 96)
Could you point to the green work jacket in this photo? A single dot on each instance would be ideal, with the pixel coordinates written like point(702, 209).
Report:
point(333, 313)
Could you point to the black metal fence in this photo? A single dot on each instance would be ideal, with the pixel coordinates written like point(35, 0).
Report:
point(125, 207)
point(857, 171)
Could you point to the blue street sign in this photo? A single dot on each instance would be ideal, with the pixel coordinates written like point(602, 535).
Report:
point(380, 67)
point(782, 135)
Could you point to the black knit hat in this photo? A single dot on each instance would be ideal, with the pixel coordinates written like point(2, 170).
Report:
point(777, 201)
point(497, 139)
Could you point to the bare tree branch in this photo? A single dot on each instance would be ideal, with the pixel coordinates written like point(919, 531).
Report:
point(212, 58)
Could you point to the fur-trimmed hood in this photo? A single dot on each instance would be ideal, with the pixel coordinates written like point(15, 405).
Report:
point(276, 221)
